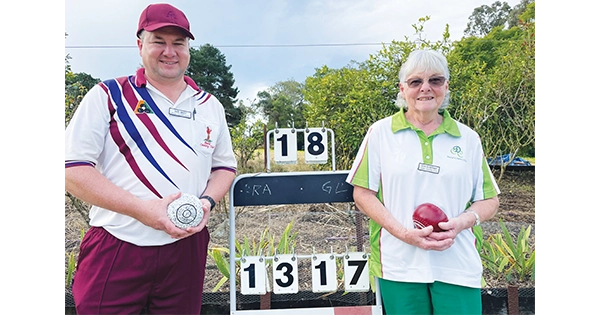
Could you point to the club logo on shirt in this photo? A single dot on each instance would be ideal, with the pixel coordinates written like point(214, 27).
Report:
point(457, 153)
point(143, 108)
point(207, 141)
point(208, 131)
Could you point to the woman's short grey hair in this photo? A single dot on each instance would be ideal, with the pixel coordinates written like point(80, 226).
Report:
point(420, 61)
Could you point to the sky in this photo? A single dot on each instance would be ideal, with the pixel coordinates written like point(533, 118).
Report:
point(32, 69)
point(287, 39)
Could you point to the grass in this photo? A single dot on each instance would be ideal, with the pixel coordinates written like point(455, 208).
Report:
point(258, 164)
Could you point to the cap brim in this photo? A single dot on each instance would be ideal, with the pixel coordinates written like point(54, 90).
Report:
point(161, 25)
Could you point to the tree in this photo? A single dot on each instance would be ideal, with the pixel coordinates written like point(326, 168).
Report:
point(487, 49)
point(485, 18)
point(282, 104)
point(493, 89)
point(341, 99)
point(246, 138)
point(516, 16)
point(208, 68)
point(76, 86)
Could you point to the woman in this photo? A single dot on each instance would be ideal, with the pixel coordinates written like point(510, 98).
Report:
point(421, 155)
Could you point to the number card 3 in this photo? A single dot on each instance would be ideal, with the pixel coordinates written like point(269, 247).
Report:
point(323, 273)
point(356, 272)
point(253, 275)
point(285, 274)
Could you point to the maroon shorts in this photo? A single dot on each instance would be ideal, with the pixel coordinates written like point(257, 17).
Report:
point(116, 277)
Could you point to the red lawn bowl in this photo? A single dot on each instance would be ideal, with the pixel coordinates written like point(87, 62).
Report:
point(427, 214)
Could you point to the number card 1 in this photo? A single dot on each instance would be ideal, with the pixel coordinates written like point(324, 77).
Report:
point(253, 275)
point(285, 146)
point(285, 274)
point(323, 273)
point(356, 272)
point(315, 146)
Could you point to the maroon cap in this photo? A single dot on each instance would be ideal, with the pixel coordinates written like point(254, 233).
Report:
point(160, 15)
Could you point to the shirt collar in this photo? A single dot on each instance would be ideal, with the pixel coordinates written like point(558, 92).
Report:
point(140, 79)
point(449, 125)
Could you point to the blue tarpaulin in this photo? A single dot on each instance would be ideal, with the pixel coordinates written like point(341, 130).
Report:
point(501, 160)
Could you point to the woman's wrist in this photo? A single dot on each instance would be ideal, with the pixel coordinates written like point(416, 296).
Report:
point(475, 216)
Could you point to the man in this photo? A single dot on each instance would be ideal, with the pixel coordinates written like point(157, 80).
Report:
point(134, 146)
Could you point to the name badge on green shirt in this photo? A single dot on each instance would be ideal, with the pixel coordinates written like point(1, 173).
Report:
point(429, 168)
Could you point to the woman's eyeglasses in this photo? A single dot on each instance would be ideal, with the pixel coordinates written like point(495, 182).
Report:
point(436, 81)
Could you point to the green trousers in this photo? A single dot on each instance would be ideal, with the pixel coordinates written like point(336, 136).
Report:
point(403, 298)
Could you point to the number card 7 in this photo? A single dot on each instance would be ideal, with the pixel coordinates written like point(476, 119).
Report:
point(356, 272)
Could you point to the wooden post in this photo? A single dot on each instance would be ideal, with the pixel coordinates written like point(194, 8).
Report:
point(513, 300)
point(358, 217)
point(265, 301)
point(265, 145)
point(359, 229)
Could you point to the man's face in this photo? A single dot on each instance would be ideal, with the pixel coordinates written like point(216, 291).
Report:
point(165, 54)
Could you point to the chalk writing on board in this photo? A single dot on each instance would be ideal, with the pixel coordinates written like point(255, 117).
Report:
point(291, 188)
point(327, 187)
point(258, 190)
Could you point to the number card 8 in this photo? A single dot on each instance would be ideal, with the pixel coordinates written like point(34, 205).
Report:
point(356, 272)
point(315, 146)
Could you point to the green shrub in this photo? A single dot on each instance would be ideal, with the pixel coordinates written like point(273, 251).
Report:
point(72, 263)
point(266, 245)
point(505, 258)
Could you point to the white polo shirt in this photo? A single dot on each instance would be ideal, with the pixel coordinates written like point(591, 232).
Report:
point(407, 168)
point(148, 145)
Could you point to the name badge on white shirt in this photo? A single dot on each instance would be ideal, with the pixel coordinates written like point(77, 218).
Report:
point(180, 113)
point(429, 168)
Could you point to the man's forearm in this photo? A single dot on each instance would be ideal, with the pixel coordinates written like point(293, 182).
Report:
point(89, 185)
point(218, 184)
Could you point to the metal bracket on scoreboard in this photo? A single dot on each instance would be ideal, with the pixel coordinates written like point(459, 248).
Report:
point(294, 130)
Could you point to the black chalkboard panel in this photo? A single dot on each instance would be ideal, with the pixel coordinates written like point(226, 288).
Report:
point(291, 188)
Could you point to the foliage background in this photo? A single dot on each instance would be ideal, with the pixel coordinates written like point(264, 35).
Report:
point(492, 84)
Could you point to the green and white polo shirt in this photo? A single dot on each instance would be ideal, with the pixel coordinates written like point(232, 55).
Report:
point(407, 168)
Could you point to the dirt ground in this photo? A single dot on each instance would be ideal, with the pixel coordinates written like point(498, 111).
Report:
point(517, 197)
point(325, 228)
